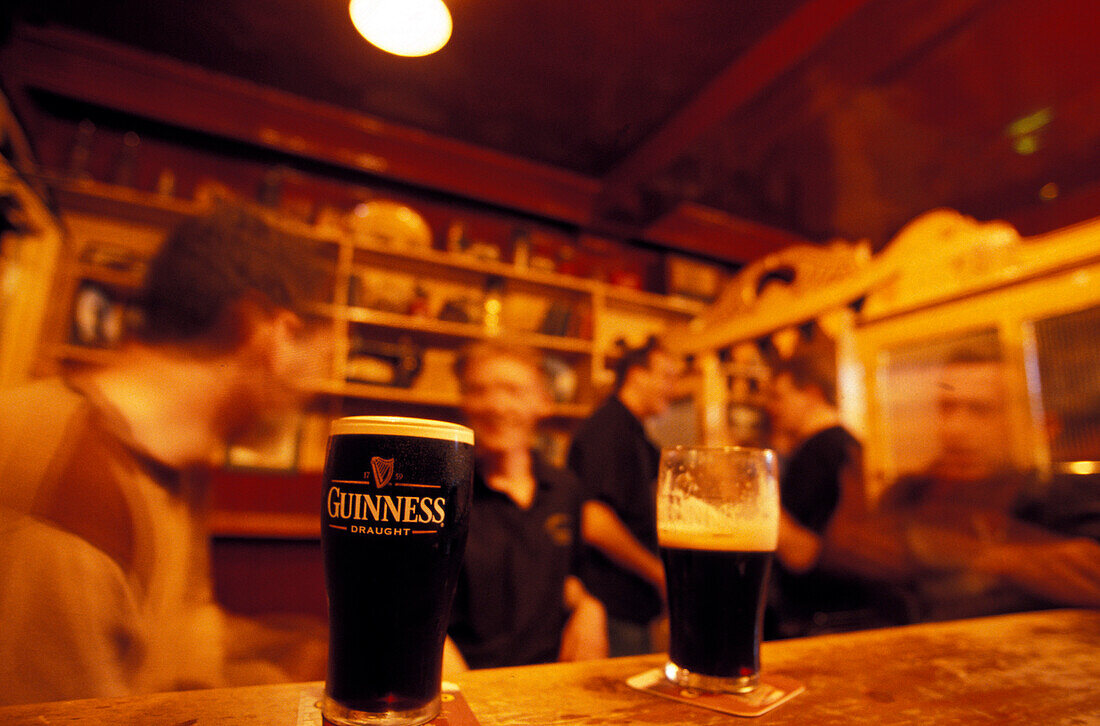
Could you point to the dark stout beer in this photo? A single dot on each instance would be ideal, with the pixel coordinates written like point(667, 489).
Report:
point(394, 519)
point(716, 608)
point(717, 527)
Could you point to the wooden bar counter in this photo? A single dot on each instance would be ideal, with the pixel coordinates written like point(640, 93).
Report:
point(1030, 668)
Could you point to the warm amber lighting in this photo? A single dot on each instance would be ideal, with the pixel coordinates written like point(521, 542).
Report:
point(1082, 468)
point(403, 27)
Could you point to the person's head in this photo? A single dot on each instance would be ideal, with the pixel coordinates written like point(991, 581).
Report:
point(971, 410)
point(214, 272)
point(802, 386)
point(504, 395)
point(229, 289)
point(646, 377)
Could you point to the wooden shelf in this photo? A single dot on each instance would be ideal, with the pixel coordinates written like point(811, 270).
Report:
point(74, 353)
point(430, 257)
point(116, 201)
point(378, 392)
point(653, 301)
point(264, 525)
point(137, 205)
point(117, 279)
point(112, 200)
point(422, 397)
point(446, 332)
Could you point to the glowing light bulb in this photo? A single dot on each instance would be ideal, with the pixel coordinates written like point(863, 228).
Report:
point(409, 28)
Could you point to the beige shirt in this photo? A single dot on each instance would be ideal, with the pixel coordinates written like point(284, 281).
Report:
point(104, 588)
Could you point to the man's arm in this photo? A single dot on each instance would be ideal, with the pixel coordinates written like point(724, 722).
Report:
point(70, 624)
point(1066, 572)
point(871, 545)
point(799, 547)
point(603, 529)
point(584, 636)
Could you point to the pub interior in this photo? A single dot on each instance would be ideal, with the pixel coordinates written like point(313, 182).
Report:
point(872, 218)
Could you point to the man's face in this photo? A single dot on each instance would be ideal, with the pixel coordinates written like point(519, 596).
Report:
point(503, 399)
point(972, 425)
point(284, 358)
point(657, 382)
point(787, 405)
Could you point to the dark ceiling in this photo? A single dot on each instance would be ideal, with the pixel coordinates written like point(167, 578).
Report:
point(827, 118)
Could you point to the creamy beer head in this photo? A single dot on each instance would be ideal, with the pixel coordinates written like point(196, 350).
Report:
point(736, 536)
point(721, 498)
point(402, 426)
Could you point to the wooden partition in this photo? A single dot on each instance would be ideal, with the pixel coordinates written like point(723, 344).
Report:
point(945, 280)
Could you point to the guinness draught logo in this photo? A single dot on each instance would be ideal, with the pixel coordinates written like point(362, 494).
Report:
point(383, 471)
point(389, 513)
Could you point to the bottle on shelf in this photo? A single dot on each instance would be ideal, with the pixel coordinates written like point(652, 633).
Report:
point(494, 306)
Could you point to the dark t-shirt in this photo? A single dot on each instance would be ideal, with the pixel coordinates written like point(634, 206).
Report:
point(810, 484)
point(617, 465)
point(509, 608)
point(810, 491)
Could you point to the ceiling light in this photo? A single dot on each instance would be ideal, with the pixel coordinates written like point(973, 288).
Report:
point(1030, 123)
point(1025, 131)
point(403, 27)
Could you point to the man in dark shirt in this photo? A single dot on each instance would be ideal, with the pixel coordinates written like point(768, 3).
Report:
point(617, 465)
point(802, 407)
point(519, 601)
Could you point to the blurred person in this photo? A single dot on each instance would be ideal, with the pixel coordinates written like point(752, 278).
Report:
point(519, 600)
point(104, 563)
point(822, 470)
point(803, 412)
point(973, 535)
point(617, 463)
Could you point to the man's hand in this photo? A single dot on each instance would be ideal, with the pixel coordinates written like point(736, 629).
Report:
point(584, 636)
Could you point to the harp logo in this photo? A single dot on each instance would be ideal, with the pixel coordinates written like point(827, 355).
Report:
point(383, 471)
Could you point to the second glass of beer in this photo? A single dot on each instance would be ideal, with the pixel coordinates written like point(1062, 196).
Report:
point(717, 526)
point(394, 518)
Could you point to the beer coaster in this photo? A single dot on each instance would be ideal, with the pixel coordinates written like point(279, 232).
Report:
point(455, 711)
point(774, 689)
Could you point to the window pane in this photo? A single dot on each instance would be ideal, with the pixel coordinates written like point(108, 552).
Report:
point(1068, 352)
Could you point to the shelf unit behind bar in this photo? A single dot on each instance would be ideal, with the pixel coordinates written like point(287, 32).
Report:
point(89, 208)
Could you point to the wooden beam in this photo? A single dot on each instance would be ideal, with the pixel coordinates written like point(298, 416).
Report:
point(719, 235)
point(78, 66)
point(779, 51)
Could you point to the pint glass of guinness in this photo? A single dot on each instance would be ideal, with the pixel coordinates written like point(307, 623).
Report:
point(394, 516)
point(717, 525)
